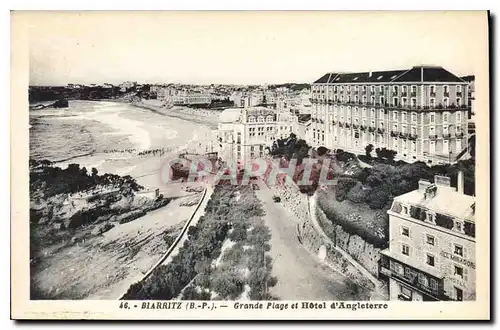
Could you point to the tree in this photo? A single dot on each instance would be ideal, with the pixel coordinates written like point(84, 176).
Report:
point(368, 150)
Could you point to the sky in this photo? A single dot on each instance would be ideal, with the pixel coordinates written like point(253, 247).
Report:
point(245, 47)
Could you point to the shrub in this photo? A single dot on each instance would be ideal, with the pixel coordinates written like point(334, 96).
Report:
point(227, 282)
point(238, 234)
point(357, 194)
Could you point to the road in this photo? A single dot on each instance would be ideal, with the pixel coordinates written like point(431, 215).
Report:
point(301, 275)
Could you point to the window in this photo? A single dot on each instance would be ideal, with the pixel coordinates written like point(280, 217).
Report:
point(459, 271)
point(394, 115)
point(459, 101)
point(405, 249)
point(433, 89)
point(459, 250)
point(414, 89)
point(406, 292)
point(414, 117)
point(251, 119)
point(404, 89)
point(433, 284)
point(395, 89)
point(430, 239)
point(382, 113)
point(446, 89)
point(459, 89)
point(430, 260)
point(422, 279)
point(446, 102)
point(382, 100)
point(398, 268)
point(405, 231)
point(458, 225)
point(445, 116)
point(403, 116)
point(405, 209)
point(372, 99)
point(395, 101)
point(431, 118)
point(459, 294)
point(413, 102)
point(432, 102)
point(372, 89)
point(459, 117)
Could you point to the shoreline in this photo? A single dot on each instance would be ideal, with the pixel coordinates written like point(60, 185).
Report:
point(191, 117)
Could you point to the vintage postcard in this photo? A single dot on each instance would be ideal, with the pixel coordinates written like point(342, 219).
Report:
point(250, 165)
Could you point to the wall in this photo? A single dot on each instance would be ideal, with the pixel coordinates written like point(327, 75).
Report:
point(364, 253)
point(315, 243)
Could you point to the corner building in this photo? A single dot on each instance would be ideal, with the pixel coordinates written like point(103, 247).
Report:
point(245, 134)
point(420, 112)
point(431, 254)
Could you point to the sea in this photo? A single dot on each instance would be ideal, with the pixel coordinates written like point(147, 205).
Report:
point(95, 132)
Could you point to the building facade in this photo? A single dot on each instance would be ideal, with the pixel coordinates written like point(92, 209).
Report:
point(431, 253)
point(245, 134)
point(421, 112)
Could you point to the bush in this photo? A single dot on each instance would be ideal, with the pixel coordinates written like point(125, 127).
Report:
point(238, 234)
point(227, 282)
point(357, 194)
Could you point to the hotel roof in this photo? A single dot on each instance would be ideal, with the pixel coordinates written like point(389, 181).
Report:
point(415, 74)
point(446, 201)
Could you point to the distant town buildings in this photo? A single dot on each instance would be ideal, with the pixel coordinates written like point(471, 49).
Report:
point(419, 112)
point(431, 254)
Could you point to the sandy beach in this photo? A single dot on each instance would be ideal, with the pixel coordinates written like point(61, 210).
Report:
point(104, 266)
point(140, 128)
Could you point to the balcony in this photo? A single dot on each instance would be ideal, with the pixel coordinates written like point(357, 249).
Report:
point(412, 136)
point(446, 94)
point(410, 276)
point(403, 135)
point(432, 94)
point(459, 94)
point(363, 128)
point(459, 134)
point(394, 134)
point(347, 125)
point(413, 94)
point(433, 137)
point(404, 94)
point(380, 131)
point(446, 136)
point(341, 125)
point(371, 129)
point(354, 126)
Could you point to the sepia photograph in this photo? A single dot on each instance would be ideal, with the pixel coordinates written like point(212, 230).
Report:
point(241, 162)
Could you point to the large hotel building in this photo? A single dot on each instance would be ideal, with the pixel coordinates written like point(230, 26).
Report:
point(420, 112)
point(431, 253)
point(244, 134)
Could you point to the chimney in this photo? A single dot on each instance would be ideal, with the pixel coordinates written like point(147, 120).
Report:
point(430, 192)
point(422, 185)
point(442, 181)
point(460, 182)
